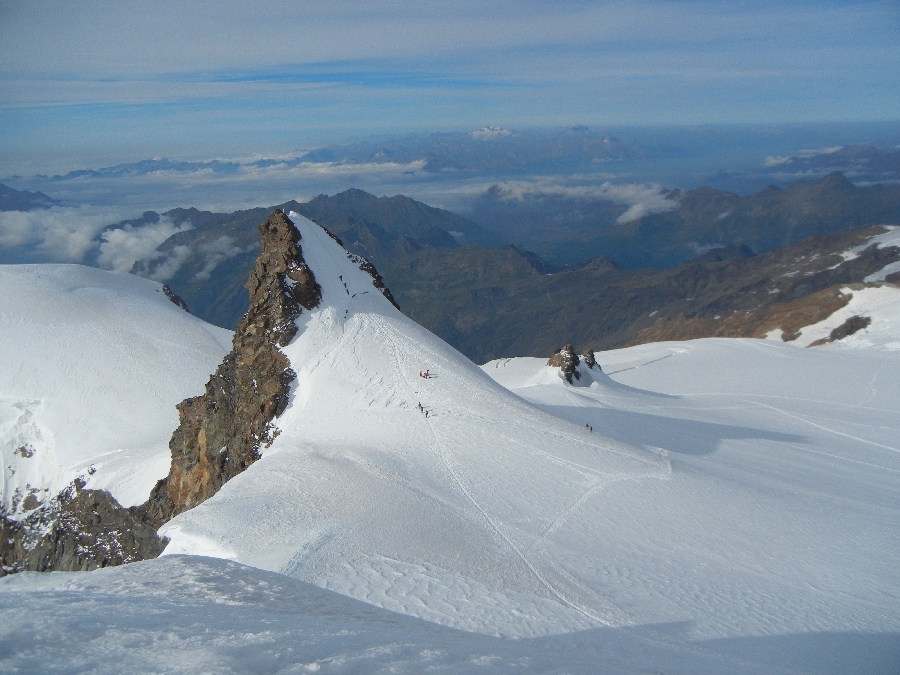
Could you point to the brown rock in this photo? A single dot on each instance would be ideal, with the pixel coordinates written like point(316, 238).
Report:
point(567, 361)
point(220, 432)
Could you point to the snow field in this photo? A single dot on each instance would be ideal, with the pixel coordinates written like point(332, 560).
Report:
point(780, 513)
point(93, 365)
point(436, 516)
point(199, 616)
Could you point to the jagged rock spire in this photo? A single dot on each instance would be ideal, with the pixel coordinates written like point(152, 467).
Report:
point(221, 431)
point(218, 436)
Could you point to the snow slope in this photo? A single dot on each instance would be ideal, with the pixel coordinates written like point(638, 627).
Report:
point(203, 616)
point(446, 516)
point(93, 365)
point(781, 512)
point(881, 304)
point(751, 489)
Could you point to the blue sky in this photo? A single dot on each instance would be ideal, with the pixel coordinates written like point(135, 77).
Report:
point(93, 83)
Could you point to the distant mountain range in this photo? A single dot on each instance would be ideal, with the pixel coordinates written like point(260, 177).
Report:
point(863, 162)
point(488, 301)
point(504, 305)
point(22, 200)
point(489, 150)
point(705, 218)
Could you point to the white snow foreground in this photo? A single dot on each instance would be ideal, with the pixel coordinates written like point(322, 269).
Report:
point(93, 364)
point(198, 616)
point(448, 516)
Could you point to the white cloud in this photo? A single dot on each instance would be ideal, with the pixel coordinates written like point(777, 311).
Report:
point(634, 212)
point(123, 247)
point(821, 151)
point(777, 161)
point(640, 198)
point(215, 253)
point(171, 263)
point(60, 234)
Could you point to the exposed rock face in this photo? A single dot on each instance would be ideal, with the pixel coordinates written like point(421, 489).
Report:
point(219, 434)
point(849, 327)
point(78, 530)
point(221, 431)
point(567, 361)
point(587, 357)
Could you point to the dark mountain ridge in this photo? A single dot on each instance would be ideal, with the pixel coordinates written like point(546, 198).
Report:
point(22, 200)
point(505, 301)
point(708, 218)
point(503, 306)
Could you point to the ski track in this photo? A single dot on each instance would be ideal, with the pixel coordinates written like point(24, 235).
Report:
point(843, 459)
point(445, 459)
point(564, 514)
point(824, 428)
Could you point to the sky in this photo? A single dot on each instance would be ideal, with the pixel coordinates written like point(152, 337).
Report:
point(92, 83)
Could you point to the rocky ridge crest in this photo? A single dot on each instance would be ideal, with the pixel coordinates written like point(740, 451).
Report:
point(220, 432)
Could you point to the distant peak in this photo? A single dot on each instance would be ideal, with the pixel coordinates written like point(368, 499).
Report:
point(490, 133)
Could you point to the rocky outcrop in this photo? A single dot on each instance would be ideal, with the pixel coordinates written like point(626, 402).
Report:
point(78, 530)
point(220, 432)
point(588, 359)
point(174, 299)
point(852, 325)
point(567, 361)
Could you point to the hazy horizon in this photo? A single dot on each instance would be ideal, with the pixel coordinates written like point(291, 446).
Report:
point(91, 84)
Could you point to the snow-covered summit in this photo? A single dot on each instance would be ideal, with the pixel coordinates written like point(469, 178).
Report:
point(382, 481)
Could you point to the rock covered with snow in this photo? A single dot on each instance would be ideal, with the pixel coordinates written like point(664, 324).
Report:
point(589, 359)
point(567, 361)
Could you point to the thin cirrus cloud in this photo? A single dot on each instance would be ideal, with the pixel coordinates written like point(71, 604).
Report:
point(168, 77)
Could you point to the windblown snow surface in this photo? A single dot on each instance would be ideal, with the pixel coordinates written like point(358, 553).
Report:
point(93, 364)
point(734, 510)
